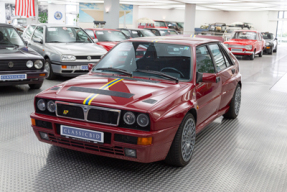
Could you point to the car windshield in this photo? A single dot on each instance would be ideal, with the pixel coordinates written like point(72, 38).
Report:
point(159, 24)
point(10, 38)
point(180, 24)
point(147, 33)
point(110, 36)
point(245, 35)
point(66, 35)
point(229, 30)
point(167, 32)
point(170, 59)
point(267, 36)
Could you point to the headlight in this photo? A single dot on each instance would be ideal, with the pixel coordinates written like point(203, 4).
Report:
point(29, 64)
point(227, 45)
point(51, 106)
point(129, 118)
point(68, 58)
point(248, 47)
point(38, 64)
point(143, 120)
point(267, 44)
point(41, 105)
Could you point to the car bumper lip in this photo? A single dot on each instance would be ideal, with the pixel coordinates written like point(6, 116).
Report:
point(157, 151)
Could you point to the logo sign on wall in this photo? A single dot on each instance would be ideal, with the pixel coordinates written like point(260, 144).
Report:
point(58, 15)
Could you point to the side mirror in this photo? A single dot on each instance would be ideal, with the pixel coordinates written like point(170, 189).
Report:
point(95, 40)
point(91, 66)
point(207, 78)
point(38, 40)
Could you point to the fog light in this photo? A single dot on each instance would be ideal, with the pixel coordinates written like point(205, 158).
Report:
point(130, 152)
point(44, 135)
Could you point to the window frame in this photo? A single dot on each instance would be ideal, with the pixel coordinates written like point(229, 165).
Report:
point(224, 51)
point(215, 65)
point(209, 52)
point(43, 37)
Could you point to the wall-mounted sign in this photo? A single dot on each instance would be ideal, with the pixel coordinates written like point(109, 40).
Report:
point(58, 15)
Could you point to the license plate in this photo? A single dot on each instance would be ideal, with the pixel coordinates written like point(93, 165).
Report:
point(236, 50)
point(84, 134)
point(13, 77)
point(84, 67)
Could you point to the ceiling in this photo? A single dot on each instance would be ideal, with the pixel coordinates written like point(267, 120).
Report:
point(212, 5)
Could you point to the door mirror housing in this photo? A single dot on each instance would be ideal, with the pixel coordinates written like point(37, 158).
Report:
point(206, 78)
point(38, 40)
point(91, 66)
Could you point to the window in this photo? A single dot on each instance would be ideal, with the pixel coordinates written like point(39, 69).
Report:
point(245, 35)
point(173, 32)
point(136, 34)
point(90, 33)
point(66, 35)
point(9, 37)
point(154, 31)
point(217, 56)
point(126, 32)
point(227, 59)
point(38, 34)
point(159, 24)
point(29, 31)
point(146, 33)
point(106, 35)
point(204, 62)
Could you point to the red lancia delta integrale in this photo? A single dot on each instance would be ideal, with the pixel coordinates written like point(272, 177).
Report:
point(246, 43)
point(144, 101)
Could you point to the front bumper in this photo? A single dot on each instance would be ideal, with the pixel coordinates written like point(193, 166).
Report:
point(161, 140)
point(71, 69)
point(33, 77)
point(242, 52)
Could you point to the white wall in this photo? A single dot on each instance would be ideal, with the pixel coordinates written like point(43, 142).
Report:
point(53, 8)
point(2, 12)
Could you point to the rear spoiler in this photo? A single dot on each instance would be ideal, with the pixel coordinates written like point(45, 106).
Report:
point(218, 38)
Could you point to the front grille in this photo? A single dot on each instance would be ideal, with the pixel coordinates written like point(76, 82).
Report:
point(86, 145)
point(86, 57)
point(18, 65)
point(237, 46)
point(88, 113)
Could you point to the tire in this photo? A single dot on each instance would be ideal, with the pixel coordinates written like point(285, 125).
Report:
point(252, 56)
point(261, 53)
point(176, 155)
point(48, 68)
point(36, 86)
point(271, 52)
point(275, 50)
point(234, 105)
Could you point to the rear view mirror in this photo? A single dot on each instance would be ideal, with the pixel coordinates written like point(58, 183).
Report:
point(91, 66)
point(206, 78)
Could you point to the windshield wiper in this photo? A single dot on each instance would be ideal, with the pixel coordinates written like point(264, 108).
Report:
point(115, 69)
point(158, 73)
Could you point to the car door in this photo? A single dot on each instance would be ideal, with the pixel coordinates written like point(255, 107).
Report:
point(207, 94)
point(37, 41)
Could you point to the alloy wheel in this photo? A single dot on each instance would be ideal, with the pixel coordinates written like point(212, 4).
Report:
point(47, 68)
point(188, 139)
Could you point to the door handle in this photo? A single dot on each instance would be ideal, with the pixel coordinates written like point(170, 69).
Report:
point(233, 71)
point(217, 79)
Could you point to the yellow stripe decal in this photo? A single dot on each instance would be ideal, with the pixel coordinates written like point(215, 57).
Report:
point(91, 97)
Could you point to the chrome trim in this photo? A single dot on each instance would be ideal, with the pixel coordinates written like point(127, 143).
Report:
point(86, 109)
point(242, 52)
point(236, 46)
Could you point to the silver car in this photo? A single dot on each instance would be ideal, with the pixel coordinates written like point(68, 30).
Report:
point(67, 49)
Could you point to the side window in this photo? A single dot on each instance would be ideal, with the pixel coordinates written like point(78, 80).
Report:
point(38, 34)
point(204, 62)
point(136, 34)
point(29, 31)
point(227, 59)
point(90, 33)
point(217, 56)
point(126, 32)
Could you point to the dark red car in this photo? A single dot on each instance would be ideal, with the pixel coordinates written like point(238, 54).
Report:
point(156, 24)
point(246, 43)
point(107, 38)
point(144, 101)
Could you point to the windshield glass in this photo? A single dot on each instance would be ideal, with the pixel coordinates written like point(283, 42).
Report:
point(159, 24)
point(180, 24)
point(170, 59)
point(110, 36)
point(66, 35)
point(267, 36)
point(245, 35)
point(147, 33)
point(10, 38)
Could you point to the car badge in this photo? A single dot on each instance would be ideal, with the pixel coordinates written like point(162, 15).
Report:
point(10, 64)
point(89, 57)
point(65, 112)
point(85, 108)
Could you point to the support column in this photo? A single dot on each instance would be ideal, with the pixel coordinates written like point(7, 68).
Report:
point(111, 13)
point(135, 16)
point(189, 18)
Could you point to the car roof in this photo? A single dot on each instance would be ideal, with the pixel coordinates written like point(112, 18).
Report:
point(137, 29)
point(101, 29)
point(54, 25)
point(174, 40)
point(5, 25)
point(248, 31)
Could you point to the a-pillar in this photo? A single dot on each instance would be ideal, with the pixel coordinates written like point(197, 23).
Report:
point(189, 18)
point(111, 13)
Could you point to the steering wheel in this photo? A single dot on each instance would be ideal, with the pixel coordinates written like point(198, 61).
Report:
point(174, 69)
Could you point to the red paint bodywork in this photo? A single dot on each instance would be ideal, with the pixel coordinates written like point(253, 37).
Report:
point(151, 25)
point(206, 100)
point(257, 45)
point(107, 45)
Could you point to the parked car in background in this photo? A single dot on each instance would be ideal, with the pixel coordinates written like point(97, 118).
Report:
point(134, 33)
point(67, 49)
point(107, 38)
point(19, 64)
point(213, 29)
point(19, 22)
point(156, 24)
point(144, 109)
point(228, 33)
point(246, 43)
point(176, 26)
point(163, 32)
point(271, 42)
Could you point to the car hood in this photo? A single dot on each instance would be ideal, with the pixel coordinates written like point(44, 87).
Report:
point(19, 53)
point(140, 94)
point(241, 41)
point(77, 48)
point(108, 45)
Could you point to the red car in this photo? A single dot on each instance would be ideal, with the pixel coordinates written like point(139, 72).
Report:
point(145, 106)
point(156, 24)
point(246, 43)
point(107, 38)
